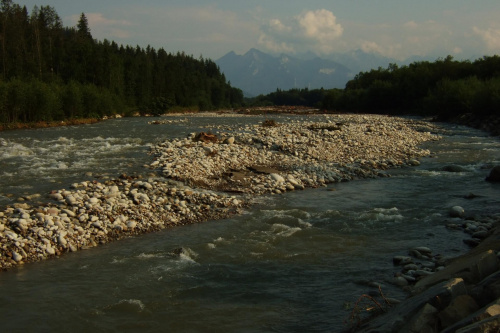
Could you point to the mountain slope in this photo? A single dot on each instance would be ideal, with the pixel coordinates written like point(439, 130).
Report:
point(257, 73)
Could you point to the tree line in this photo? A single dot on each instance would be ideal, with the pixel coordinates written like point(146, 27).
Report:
point(445, 89)
point(51, 72)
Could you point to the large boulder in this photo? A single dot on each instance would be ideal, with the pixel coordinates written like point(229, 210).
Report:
point(494, 175)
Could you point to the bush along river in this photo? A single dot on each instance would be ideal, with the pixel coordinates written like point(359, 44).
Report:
point(301, 216)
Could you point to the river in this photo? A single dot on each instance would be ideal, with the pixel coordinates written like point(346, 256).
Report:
point(288, 264)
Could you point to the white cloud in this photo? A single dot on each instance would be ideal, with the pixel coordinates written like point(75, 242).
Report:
point(102, 27)
point(491, 37)
point(320, 25)
point(401, 40)
point(275, 46)
point(276, 25)
point(387, 50)
point(197, 30)
point(312, 30)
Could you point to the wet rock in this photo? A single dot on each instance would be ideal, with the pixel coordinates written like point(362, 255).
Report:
point(494, 175)
point(399, 281)
point(459, 308)
point(424, 321)
point(454, 168)
point(402, 260)
point(270, 159)
point(456, 211)
point(400, 315)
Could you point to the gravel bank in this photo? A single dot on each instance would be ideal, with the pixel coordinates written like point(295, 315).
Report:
point(205, 177)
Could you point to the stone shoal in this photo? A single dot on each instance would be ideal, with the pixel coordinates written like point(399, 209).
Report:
point(249, 160)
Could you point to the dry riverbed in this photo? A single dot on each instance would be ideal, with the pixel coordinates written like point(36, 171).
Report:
point(207, 176)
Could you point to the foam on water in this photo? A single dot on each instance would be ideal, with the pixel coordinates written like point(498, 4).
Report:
point(381, 215)
point(188, 256)
point(284, 230)
point(128, 305)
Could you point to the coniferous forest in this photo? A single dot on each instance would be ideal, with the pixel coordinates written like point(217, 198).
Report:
point(466, 91)
point(50, 72)
point(445, 88)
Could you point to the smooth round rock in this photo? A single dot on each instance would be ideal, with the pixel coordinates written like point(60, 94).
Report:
point(456, 211)
point(277, 178)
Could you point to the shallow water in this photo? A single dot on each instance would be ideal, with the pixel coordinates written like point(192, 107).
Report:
point(288, 264)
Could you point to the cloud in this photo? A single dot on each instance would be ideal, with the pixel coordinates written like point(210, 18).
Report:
point(311, 30)
point(491, 37)
point(276, 25)
point(388, 50)
point(320, 25)
point(401, 40)
point(102, 27)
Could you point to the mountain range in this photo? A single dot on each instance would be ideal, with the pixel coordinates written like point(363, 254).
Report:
point(256, 72)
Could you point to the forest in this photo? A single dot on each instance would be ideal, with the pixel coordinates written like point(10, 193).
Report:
point(446, 89)
point(50, 72)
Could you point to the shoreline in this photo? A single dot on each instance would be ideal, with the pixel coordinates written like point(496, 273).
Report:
point(199, 180)
point(463, 295)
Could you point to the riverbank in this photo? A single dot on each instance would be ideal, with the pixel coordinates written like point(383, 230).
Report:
point(47, 124)
point(196, 180)
point(462, 294)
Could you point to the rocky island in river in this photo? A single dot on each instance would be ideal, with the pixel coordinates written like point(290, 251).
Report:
point(254, 160)
point(214, 177)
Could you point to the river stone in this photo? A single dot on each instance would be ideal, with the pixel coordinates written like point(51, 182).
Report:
point(399, 281)
point(229, 141)
point(494, 174)
point(459, 308)
point(56, 196)
point(423, 249)
point(424, 321)
point(61, 240)
point(70, 200)
point(277, 178)
point(50, 250)
point(402, 260)
point(93, 200)
point(69, 212)
point(16, 256)
point(456, 211)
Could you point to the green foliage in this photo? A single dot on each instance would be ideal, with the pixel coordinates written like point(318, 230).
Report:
point(302, 97)
point(48, 72)
point(445, 88)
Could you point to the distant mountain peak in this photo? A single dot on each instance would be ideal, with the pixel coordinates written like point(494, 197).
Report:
point(258, 73)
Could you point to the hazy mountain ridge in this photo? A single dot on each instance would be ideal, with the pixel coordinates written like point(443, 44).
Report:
point(256, 72)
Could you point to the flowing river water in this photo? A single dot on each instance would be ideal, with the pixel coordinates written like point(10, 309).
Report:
point(290, 263)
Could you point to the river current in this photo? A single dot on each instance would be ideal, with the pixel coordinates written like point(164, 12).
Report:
point(290, 263)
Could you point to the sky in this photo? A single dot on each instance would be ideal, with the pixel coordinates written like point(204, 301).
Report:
point(398, 29)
